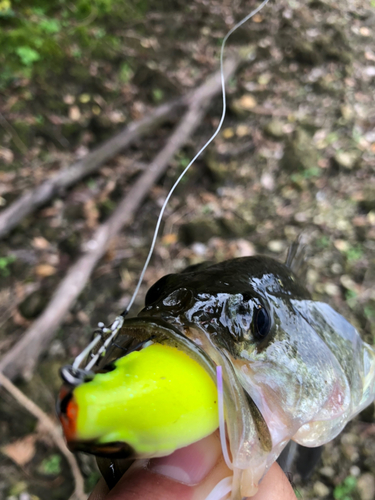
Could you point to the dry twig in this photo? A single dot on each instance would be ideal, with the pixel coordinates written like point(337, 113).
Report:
point(54, 431)
point(27, 203)
point(21, 359)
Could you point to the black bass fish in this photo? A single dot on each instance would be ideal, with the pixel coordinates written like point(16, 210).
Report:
point(293, 369)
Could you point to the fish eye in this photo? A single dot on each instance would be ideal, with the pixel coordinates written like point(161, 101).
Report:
point(261, 323)
point(178, 298)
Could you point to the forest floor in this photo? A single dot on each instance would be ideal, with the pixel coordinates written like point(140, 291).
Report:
point(296, 153)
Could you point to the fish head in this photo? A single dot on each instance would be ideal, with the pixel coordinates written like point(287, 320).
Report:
point(255, 311)
point(242, 305)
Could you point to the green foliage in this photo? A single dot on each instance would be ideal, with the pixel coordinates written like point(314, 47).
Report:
point(183, 160)
point(126, 73)
point(206, 210)
point(344, 490)
point(27, 55)
point(297, 493)
point(369, 312)
point(308, 173)
point(157, 95)
point(5, 9)
point(323, 241)
point(40, 36)
point(354, 253)
point(51, 466)
point(91, 480)
point(50, 26)
point(351, 298)
point(4, 265)
point(332, 137)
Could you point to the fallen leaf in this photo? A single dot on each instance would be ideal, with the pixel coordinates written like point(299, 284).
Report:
point(169, 239)
point(341, 245)
point(371, 217)
point(40, 243)
point(74, 113)
point(84, 98)
point(49, 211)
point(242, 130)
point(244, 248)
point(6, 155)
point(365, 31)
point(21, 451)
point(228, 133)
point(116, 116)
point(45, 270)
point(83, 318)
point(91, 213)
point(369, 55)
point(257, 18)
point(247, 101)
point(69, 99)
point(264, 79)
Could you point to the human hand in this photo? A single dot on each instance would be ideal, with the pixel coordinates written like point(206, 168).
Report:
point(190, 473)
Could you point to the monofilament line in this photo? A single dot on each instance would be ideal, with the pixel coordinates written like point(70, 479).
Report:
point(220, 404)
point(114, 329)
point(157, 227)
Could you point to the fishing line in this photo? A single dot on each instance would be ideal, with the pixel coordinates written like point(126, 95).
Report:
point(221, 490)
point(117, 324)
point(220, 404)
point(177, 182)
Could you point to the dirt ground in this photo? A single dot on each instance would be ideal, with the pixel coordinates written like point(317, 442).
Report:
point(296, 153)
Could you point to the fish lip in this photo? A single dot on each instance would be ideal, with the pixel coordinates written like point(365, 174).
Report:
point(159, 323)
point(136, 332)
point(116, 449)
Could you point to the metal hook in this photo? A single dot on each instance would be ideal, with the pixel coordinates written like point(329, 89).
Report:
point(75, 376)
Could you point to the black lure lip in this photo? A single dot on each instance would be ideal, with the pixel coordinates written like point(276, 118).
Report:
point(116, 449)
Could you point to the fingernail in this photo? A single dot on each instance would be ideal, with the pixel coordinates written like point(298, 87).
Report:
point(189, 465)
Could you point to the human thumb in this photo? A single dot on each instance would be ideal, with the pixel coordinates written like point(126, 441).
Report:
point(190, 473)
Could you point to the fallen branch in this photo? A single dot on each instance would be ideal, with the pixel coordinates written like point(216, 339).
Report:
point(27, 203)
point(22, 358)
point(52, 429)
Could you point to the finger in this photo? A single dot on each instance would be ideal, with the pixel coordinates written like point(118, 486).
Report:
point(190, 473)
point(275, 486)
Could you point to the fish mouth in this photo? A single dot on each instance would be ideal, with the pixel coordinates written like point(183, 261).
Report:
point(135, 332)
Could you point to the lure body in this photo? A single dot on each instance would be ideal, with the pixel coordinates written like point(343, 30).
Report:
point(293, 367)
point(139, 402)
